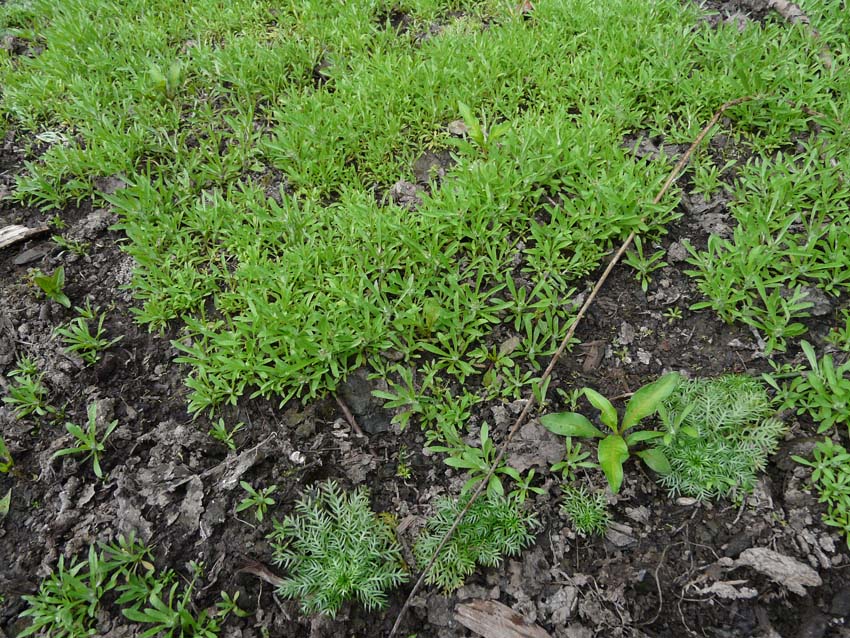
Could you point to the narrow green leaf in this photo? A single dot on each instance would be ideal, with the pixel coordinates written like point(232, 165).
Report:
point(612, 453)
point(609, 414)
point(571, 424)
point(5, 502)
point(656, 460)
point(494, 487)
point(646, 400)
point(462, 463)
point(642, 435)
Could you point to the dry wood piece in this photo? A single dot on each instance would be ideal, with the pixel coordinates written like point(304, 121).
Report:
point(13, 234)
point(492, 619)
point(791, 12)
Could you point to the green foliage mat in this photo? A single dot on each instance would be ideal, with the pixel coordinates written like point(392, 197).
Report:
point(256, 138)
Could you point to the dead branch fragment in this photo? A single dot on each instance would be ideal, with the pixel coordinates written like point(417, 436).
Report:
point(10, 235)
point(492, 619)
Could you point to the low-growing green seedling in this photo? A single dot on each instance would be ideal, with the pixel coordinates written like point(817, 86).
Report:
point(71, 245)
point(258, 499)
point(643, 265)
point(5, 503)
point(718, 436)
point(482, 136)
point(335, 548)
point(587, 512)
point(219, 432)
point(477, 461)
point(87, 441)
point(53, 285)
point(230, 605)
point(523, 486)
point(68, 600)
point(27, 393)
point(840, 335)
point(823, 391)
point(494, 526)
point(673, 314)
point(615, 448)
point(6, 462)
point(167, 83)
point(830, 471)
point(79, 339)
point(574, 459)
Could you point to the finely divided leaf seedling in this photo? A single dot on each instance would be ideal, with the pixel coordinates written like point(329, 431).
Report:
point(718, 436)
point(335, 548)
point(494, 527)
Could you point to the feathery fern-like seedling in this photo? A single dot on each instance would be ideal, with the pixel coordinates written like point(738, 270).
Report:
point(335, 548)
point(588, 512)
point(495, 526)
point(727, 432)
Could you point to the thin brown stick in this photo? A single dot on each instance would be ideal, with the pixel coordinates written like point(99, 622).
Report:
point(348, 416)
point(520, 420)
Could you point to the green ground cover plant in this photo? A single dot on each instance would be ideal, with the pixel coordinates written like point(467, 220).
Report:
point(335, 548)
point(719, 434)
point(830, 465)
point(258, 499)
point(6, 461)
point(494, 527)
point(822, 392)
point(311, 282)
point(52, 285)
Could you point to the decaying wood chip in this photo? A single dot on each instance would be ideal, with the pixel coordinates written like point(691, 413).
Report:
point(13, 234)
point(791, 12)
point(492, 619)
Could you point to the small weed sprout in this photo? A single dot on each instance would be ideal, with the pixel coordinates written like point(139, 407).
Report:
point(230, 605)
point(823, 392)
point(673, 314)
point(87, 441)
point(73, 246)
point(27, 394)
point(79, 339)
point(259, 499)
point(335, 548)
point(477, 461)
point(830, 468)
point(494, 526)
point(587, 512)
point(220, 432)
point(574, 459)
point(643, 265)
point(52, 285)
point(6, 462)
point(402, 469)
point(840, 335)
point(5, 504)
point(68, 600)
